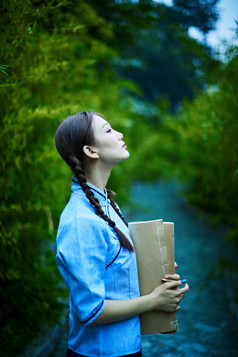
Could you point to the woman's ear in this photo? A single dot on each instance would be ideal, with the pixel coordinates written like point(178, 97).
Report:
point(89, 151)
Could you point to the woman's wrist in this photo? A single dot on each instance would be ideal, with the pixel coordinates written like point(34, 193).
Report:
point(154, 301)
point(148, 302)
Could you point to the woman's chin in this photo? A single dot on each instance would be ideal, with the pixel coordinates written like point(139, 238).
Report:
point(126, 155)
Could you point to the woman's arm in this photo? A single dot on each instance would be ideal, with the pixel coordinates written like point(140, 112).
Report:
point(165, 297)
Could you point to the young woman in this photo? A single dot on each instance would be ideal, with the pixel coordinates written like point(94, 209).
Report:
point(95, 253)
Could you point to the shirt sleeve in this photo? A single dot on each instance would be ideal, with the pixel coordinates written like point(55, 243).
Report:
point(81, 258)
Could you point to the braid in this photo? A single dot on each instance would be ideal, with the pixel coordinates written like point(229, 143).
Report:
point(115, 207)
point(71, 136)
point(76, 167)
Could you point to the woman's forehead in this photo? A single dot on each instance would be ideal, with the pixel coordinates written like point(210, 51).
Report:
point(99, 122)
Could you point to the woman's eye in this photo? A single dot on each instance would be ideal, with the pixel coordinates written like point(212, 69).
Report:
point(109, 130)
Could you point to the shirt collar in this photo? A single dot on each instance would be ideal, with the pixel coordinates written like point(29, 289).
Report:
point(99, 194)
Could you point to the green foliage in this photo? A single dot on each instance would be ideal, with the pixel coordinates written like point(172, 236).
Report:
point(54, 63)
point(200, 14)
point(172, 66)
point(210, 148)
point(198, 145)
point(58, 58)
point(155, 48)
point(205, 139)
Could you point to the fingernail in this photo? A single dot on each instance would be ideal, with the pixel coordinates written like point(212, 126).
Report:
point(166, 276)
point(183, 281)
point(163, 279)
point(176, 265)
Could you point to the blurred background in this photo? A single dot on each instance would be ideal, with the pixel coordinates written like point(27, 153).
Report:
point(165, 73)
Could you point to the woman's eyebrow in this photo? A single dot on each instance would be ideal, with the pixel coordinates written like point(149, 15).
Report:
point(104, 124)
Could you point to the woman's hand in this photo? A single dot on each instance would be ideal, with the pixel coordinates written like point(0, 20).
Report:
point(167, 297)
point(170, 277)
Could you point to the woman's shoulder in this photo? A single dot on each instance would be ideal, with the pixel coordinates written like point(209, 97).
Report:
point(80, 213)
point(81, 228)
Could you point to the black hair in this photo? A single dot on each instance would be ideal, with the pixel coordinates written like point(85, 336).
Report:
point(71, 136)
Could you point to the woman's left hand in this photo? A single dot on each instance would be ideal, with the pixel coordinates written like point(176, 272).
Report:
point(170, 277)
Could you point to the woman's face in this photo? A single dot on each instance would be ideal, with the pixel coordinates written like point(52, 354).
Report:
point(108, 142)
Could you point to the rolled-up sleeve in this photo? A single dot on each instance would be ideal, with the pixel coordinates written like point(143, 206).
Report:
point(81, 258)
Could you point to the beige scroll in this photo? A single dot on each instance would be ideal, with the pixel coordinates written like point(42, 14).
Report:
point(154, 246)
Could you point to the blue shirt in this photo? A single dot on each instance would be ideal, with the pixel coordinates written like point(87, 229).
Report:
point(95, 267)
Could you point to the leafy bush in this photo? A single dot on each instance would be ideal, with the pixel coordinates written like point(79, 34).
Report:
point(58, 58)
point(54, 63)
point(204, 142)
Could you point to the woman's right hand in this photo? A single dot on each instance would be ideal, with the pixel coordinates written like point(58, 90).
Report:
point(167, 296)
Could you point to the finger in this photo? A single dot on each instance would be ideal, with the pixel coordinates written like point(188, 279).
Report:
point(171, 277)
point(172, 284)
point(177, 308)
point(176, 265)
point(184, 290)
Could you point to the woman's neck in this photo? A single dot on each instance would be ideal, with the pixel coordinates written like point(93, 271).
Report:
point(98, 176)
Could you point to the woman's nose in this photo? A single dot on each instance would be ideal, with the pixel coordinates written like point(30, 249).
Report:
point(119, 135)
